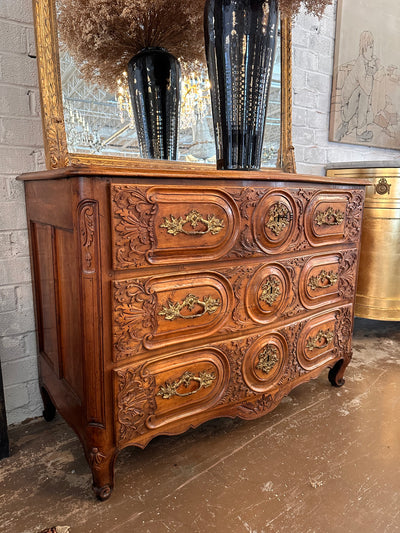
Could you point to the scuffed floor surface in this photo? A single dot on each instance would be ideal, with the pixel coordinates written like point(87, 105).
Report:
point(326, 460)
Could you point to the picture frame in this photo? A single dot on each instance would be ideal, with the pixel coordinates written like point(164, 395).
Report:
point(365, 101)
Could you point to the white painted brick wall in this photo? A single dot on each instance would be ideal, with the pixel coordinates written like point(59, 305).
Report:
point(313, 49)
point(21, 150)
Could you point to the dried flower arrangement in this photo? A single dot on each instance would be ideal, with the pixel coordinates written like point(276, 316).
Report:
point(290, 8)
point(103, 35)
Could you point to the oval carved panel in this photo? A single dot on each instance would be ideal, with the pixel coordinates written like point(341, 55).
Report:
point(267, 293)
point(317, 343)
point(167, 390)
point(325, 218)
point(319, 281)
point(160, 225)
point(265, 362)
point(274, 221)
point(155, 312)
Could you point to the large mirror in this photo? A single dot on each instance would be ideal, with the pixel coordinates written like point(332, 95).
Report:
point(84, 125)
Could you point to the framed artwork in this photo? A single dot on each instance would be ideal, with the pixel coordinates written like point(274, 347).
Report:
point(365, 104)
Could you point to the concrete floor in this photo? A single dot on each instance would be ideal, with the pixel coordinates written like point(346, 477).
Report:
point(326, 460)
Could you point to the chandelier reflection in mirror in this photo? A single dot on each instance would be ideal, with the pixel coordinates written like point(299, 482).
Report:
point(97, 122)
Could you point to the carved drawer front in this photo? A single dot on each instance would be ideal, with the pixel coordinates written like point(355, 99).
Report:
point(268, 293)
point(167, 390)
point(160, 225)
point(274, 221)
point(265, 362)
point(319, 281)
point(317, 344)
point(155, 312)
point(333, 217)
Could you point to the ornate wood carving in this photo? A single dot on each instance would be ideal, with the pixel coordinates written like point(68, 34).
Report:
point(347, 274)
point(135, 402)
point(96, 458)
point(55, 139)
point(87, 229)
point(133, 226)
point(134, 316)
point(354, 212)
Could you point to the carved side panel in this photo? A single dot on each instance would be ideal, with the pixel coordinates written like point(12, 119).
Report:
point(88, 219)
point(135, 401)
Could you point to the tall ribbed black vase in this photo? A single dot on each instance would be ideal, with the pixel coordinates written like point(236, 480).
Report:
point(154, 77)
point(240, 38)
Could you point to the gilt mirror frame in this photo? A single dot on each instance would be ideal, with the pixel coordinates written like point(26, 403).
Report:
point(54, 133)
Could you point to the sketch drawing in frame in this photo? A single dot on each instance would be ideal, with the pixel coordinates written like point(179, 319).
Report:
point(365, 104)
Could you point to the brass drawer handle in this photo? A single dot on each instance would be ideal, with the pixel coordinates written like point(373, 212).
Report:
point(270, 290)
point(329, 217)
point(173, 309)
point(323, 280)
point(321, 340)
point(382, 187)
point(169, 390)
point(174, 226)
point(279, 218)
point(268, 358)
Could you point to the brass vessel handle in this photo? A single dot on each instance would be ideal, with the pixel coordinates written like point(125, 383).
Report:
point(321, 340)
point(268, 358)
point(279, 218)
point(170, 389)
point(323, 280)
point(382, 187)
point(329, 217)
point(174, 226)
point(173, 309)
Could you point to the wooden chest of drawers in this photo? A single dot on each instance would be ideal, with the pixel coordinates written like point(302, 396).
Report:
point(169, 297)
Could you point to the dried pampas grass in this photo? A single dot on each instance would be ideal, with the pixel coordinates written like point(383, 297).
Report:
point(103, 35)
point(290, 8)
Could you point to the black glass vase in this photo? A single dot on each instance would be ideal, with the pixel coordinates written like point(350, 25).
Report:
point(240, 38)
point(154, 78)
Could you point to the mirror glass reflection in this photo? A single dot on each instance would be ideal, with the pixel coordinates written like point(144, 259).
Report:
point(100, 123)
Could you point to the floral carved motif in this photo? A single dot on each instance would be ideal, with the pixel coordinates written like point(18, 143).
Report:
point(135, 402)
point(133, 226)
point(293, 368)
point(354, 212)
point(87, 227)
point(134, 316)
point(347, 274)
point(235, 351)
point(343, 330)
